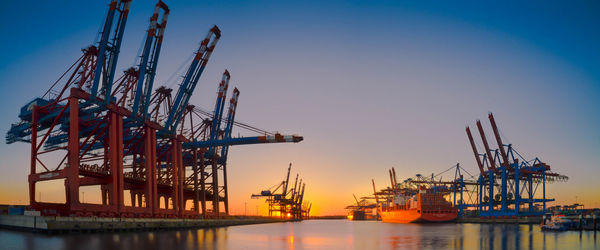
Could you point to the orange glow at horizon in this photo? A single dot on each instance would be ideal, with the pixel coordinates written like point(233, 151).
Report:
point(365, 96)
point(323, 203)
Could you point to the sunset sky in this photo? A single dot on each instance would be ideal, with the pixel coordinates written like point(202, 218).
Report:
point(369, 84)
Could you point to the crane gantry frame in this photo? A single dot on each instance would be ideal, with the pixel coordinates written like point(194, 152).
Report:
point(289, 203)
point(169, 155)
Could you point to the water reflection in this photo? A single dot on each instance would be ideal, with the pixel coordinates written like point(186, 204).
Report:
point(317, 234)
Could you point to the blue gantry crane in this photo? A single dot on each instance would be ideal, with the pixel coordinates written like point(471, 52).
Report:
point(508, 183)
point(124, 138)
point(191, 79)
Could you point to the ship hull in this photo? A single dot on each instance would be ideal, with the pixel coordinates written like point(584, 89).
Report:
point(412, 216)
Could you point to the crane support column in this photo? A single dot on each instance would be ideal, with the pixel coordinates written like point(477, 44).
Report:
point(491, 191)
point(33, 166)
point(215, 185)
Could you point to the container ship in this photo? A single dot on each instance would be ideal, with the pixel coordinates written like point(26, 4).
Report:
point(425, 206)
point(416, 203)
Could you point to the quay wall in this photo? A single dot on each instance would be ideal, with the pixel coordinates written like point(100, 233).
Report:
point(52, 224)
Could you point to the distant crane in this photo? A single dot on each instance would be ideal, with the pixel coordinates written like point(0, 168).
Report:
point(510, 181)
point(287, 204)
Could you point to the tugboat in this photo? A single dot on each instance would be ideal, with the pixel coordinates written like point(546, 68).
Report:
point(557, 223)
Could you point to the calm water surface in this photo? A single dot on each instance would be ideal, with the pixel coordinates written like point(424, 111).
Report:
point(317, 234)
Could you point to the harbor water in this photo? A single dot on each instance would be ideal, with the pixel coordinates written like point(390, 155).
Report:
point(316, 234)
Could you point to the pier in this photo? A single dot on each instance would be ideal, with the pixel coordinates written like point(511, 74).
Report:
point(501, 220)
point(60, 224)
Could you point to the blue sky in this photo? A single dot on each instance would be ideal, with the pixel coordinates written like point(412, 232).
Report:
point(370, 85)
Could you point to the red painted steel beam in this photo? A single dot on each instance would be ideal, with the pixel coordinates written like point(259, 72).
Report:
point(490, 157)
point(72, 181)
point(499, 141)
point(148, 166)
point(479, 163)
point(391, 179)
point(225, 194)
point(395, 180)
point(33, 159)
point(215, 186)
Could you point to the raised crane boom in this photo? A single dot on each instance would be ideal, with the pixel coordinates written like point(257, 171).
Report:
point(357, 203)
point(490, 156)
point(499, 141)
point(149, 60)
point(108, 49)
point(230, 120)
point(301, 196)
point(395, 180)
point(479, 163)
point(295, 187)
point(191, 79)
point(219, 105)
point(287, 179)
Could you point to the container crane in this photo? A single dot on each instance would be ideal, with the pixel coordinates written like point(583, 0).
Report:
point(219, 106)
point(508, 178)
point(229, 126)
point(191, 79)
point(108, 49)
point(105, 133)
point(149, 61)
point(288, 203)
point(272, 192)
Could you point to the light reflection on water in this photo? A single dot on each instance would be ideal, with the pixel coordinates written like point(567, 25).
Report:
point(317, 234)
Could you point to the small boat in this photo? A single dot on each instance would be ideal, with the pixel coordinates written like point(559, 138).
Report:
point(554, 227)
point(557, 223)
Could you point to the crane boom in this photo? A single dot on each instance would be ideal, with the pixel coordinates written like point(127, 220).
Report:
point(395, 180)
point(220, 103)
point(230, 120)
point(191, 79)
point(149, 60)
point(490, 157)
point(375, 193)
point(108, 48)
point(301, 196)
point(285, 186)
point(295, 185)
point(391, 179)
point(499, 141)
point(479, 164)
point(297, 192)
point(277, 138)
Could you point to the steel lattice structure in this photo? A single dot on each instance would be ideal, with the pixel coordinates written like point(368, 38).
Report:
point(287, 202)
point(119, 135)
point(508, 184)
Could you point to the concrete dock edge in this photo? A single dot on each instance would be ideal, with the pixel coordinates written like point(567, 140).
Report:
point(49, 224)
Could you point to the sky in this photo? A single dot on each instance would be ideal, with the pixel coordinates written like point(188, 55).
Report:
point(369, 84)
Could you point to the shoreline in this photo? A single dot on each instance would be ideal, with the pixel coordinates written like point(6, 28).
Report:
point(61, 225)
